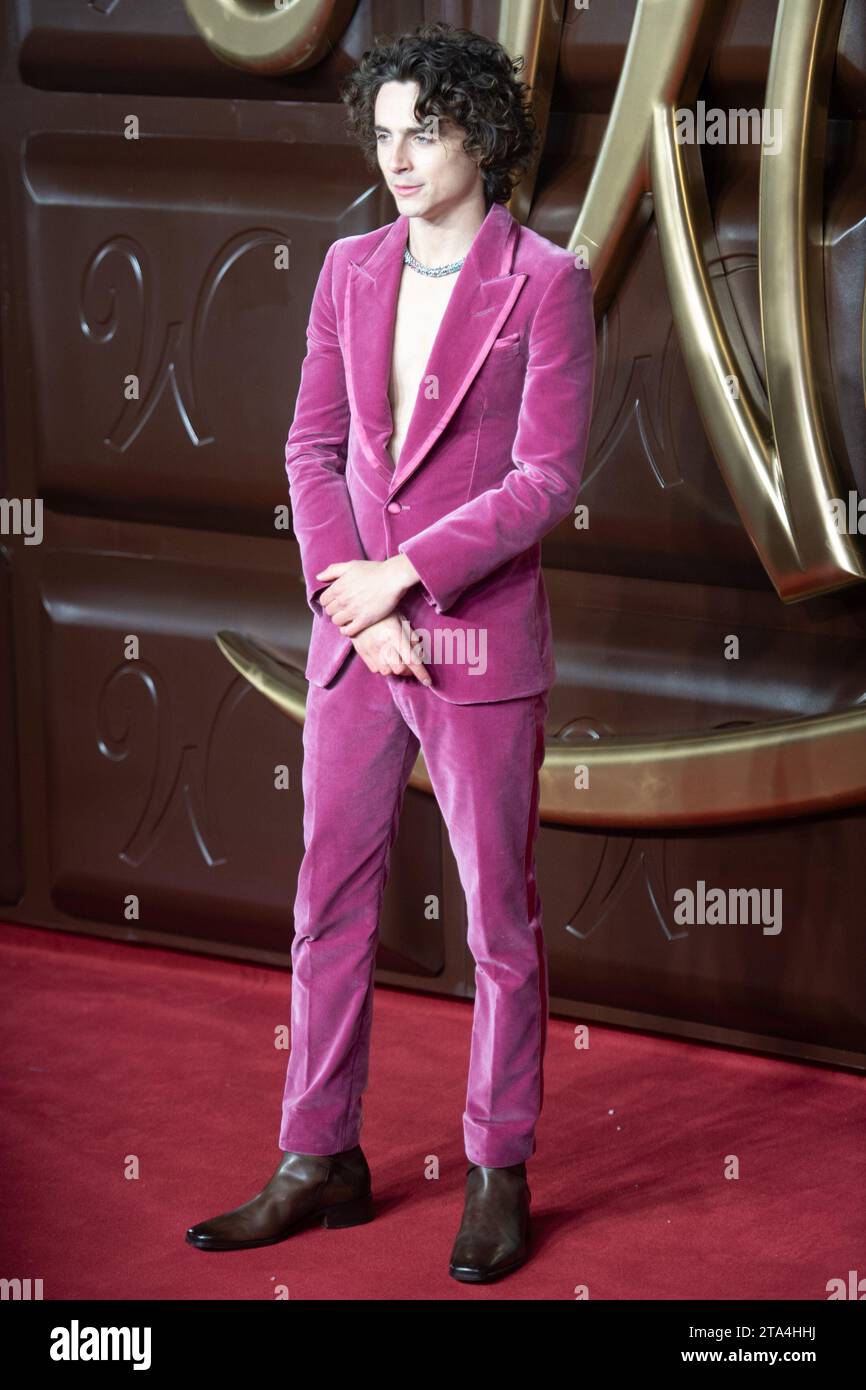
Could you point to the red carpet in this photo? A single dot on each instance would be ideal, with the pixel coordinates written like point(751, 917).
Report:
point(114, 1051)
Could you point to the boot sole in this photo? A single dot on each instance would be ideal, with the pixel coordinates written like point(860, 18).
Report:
point(482, 1276)
point(338, 1217)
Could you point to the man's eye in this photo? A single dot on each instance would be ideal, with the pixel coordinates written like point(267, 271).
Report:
point(425, 139)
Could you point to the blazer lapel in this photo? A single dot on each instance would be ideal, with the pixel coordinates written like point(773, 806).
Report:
point(481, 300)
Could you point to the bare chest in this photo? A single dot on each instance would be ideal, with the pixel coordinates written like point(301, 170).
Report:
point(421, 305)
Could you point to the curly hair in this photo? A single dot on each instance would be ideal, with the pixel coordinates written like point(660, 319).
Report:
point(461, 75)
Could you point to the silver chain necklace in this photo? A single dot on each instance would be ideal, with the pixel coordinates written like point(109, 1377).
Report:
point(409, 259)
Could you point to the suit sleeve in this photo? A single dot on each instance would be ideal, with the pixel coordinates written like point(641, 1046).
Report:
point(470, 542)
point(322, 515)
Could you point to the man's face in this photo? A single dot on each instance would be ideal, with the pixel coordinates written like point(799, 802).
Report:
point(424, 165)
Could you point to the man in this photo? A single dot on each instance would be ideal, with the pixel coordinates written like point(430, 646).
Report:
point(439, 433)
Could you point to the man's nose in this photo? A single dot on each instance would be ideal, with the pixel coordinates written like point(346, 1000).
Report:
point(398, 158)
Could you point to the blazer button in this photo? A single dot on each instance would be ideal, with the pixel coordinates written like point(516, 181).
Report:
point(394, 507)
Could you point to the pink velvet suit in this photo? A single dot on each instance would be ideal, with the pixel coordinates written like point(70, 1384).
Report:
point(492, 460)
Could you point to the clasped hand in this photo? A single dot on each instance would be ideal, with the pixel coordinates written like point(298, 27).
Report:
point(363, 591)
point(362, 601)
point(389, 648)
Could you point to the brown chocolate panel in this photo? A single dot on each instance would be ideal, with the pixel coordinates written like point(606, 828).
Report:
point(151, 355)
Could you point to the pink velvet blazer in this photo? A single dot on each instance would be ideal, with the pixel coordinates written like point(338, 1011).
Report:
point(492, 459)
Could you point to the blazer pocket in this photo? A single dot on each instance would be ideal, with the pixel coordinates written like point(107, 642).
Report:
point(511, 342)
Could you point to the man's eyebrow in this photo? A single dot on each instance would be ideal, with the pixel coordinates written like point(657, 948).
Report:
point(408, 130)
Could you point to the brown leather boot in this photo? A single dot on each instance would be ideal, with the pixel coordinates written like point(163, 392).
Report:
point(305, 1187)
point(494, 1233)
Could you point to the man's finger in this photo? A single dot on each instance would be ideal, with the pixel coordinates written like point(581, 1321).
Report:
point(408, 645)
point(401, 658)
point(420, 672)
point(409, 653)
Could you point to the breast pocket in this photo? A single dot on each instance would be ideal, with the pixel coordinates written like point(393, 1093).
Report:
point(500, 381)
point(509, 343)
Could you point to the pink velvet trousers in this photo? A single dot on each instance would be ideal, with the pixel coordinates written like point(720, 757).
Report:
point(361, 738)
